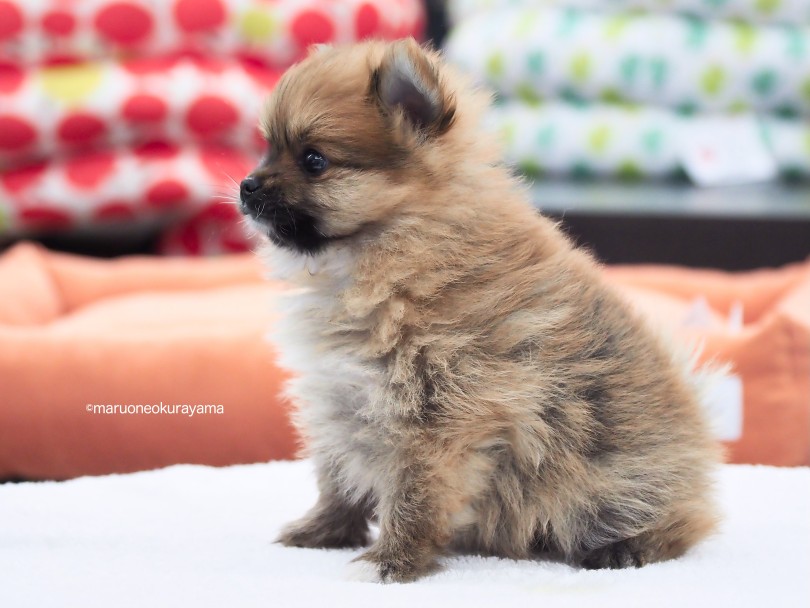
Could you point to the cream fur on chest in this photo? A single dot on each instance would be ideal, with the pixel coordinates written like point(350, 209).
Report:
point(333, 388)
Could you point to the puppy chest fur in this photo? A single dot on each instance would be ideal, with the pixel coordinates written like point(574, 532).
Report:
point(462, 375)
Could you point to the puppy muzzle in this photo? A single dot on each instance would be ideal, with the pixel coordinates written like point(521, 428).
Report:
point(255, 200)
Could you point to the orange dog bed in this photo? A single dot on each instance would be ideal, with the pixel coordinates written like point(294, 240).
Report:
point(76, 333)
point(768, 346)
point(80, 335)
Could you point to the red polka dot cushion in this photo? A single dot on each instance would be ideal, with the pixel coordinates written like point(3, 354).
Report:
point(214, 230)
point(52, 110)
point(155, 183)
point(277, 30)
point(87, 88)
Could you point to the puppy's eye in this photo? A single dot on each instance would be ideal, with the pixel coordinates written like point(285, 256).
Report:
point(314, 162)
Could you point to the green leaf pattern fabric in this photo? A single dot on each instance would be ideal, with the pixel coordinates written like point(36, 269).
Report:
point(667, 60)
point(625, 142)
point(587, 93)
point(795, 12)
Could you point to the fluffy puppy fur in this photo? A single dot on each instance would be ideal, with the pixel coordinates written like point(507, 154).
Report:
point(464, 376)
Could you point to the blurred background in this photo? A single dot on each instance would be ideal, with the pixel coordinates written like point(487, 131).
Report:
point(660, 131)
point(666, 132)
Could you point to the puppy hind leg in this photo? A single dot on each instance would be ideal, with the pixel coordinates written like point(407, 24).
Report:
point(334, 522)
point(627, 553)
point(669, 541)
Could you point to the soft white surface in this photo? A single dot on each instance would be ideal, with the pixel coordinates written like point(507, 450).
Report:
point(197, 536)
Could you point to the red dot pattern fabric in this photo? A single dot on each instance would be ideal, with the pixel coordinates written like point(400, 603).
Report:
point(80, 129)
point(124, 23)
point(89, 170)
point(45, 218)
point(22, 178)
point(211, 114)
point(185, 99)
point(11, 20)
point(167, 193)
point(156, 150)
point(113, 211)
point(141, 111)
point(16, 134)
point(11, 78)
point(144, 108)
point(58, 23)
point(278, 31)
point(199, 15)
point(312, 27)
point(144, 182)
point(366, 20)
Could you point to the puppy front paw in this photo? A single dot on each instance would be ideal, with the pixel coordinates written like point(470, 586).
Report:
point(315, 533)
point(401, 566)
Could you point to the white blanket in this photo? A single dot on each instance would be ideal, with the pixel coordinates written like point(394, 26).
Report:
point(197, 536)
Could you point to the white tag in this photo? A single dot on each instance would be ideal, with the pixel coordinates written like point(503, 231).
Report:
point(724, 405)
point(725, 150)
point(736, 317)
point(699, 314)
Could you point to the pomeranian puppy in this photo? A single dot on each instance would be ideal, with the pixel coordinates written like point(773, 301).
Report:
point(463, 376)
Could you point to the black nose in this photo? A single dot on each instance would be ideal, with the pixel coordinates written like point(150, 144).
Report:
point(248, 186)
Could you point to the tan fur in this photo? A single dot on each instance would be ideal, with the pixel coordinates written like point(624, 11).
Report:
point(464, 374)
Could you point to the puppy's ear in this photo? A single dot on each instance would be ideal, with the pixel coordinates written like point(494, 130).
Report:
point(408, 82)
